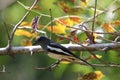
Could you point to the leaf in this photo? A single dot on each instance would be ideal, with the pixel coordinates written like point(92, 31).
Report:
point(116, 23)
point(58, 29)
point(25, 24)
point(20, 32)
point(37, 7)
point(75, 19)
point(28, 24)
point(73, 1)
point(66, 22)
point(26, 42)
point(108, 27)
point(65, 62)
point(91, 57)
point(84, 3)
point(64, 6)
point(96, 75)
point(75, 38)
point(69, 7)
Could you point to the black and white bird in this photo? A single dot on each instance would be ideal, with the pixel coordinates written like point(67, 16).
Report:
point(58, 51)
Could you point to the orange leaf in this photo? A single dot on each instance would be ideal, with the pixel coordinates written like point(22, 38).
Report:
point(64, 7)
point(66, 22)
point(75, 38)
point(97, 75)
point(23, 33)
point(37, 7)
point(83, 1)
point(62, 21)
point(108, 27)
point(73, 1)
point(117, 23)
point(75, 19)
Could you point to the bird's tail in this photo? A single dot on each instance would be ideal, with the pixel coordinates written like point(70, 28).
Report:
point(79, 61)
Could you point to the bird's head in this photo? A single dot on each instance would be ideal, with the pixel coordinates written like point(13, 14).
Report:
point(41, 40)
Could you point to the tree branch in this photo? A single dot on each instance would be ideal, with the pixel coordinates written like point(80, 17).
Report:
point(92, 47)
point(74, 47)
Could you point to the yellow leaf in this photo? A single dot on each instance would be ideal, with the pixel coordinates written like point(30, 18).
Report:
point(63, 24)
point(84, 3)
point(65, 62)
point(25, 24)
point(66, 22)
point(34, 35)
point(58, 29)
point(28, 24)
point(20, 32)
point(26, 42)
point(97, 75)
point(98, 56)
point(91, 57)
point(108, 27)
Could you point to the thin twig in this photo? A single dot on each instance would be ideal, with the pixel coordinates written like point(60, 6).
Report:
point(28, 8)
point(16, 26)
point(116, 38)
point(7, 31)
point(94, 16)
point(29, 28)
point(91, 36)
point(51, 24)
point(116, 9)
point(54, 65)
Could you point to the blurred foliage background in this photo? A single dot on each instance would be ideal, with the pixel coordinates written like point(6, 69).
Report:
point(22, 66)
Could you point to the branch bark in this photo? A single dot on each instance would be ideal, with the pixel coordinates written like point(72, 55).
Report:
point(73, 47)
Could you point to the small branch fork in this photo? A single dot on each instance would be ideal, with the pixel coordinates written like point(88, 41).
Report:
point(54, 65)
point(17, 25)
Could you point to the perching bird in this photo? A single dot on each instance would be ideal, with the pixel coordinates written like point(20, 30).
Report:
point(58, 51)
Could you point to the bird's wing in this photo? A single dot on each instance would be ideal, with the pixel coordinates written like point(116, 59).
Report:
point(59, 49)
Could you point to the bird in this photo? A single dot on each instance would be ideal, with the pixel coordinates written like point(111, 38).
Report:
point(58, 52)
